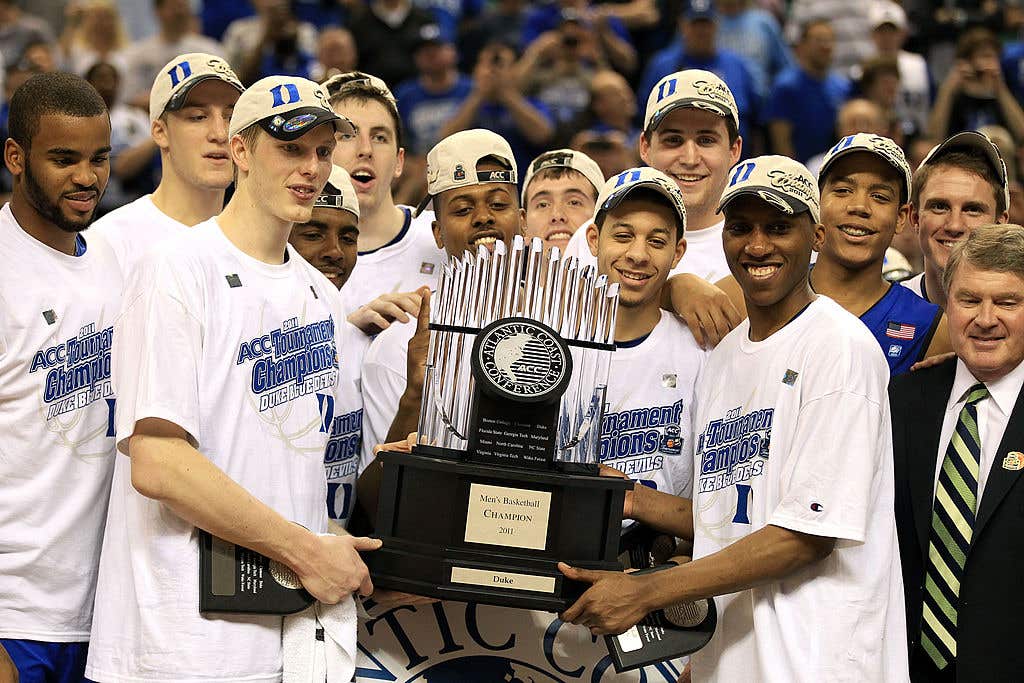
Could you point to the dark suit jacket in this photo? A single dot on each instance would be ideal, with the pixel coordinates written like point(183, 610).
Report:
point(992, 591)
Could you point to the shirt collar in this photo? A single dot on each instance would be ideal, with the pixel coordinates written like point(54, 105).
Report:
point(1003, 391)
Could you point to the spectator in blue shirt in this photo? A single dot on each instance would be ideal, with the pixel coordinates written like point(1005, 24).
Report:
point(698, 49)
point(495, 103)
point(431, 99)
point(753, 33)
point(805, 99)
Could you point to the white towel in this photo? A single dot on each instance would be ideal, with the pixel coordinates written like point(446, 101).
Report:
point(331, 657)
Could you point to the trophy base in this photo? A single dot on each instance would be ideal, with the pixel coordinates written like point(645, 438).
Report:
point(457, 530)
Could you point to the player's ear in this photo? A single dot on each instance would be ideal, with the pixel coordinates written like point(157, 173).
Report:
point(644, 146)
point(902, 216)
point(400, 164)
point(680, 250)
point(14, 157)
point(522, 221)
point(435, 227)
point(239, 153)
point(819, 237)
point(913, 217)
point(158, 130)
point(592, 237)
point(735, 150)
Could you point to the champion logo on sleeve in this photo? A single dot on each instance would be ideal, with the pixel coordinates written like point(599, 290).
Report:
point(49, 316)
point(233, 280)
point(790, 377)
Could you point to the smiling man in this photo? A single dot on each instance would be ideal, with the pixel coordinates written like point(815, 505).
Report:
point(957, 430)
point(190, 105)
point(637, 236)
point(558, 197)
point(226, 369)
point(58, 299)
point(791, 518)
point(960, 185)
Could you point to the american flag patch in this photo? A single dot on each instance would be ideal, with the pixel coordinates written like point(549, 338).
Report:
point(900, 330)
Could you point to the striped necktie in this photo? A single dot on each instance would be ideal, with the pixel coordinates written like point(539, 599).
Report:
point(952, 525)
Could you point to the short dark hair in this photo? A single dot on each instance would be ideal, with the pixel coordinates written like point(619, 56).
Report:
point(359, 90)
point(975, 39)
point(876, 67)
point(649, 195)
point(806, 27)
point(965, 159)
point(50, 93)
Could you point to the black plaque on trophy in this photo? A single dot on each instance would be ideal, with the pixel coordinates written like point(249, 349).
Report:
point(503, 482)
point(236, 579)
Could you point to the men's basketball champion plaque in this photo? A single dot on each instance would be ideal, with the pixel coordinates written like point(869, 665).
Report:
point(503, 481)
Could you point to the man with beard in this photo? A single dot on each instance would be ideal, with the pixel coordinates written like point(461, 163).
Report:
point(59, 294)
point(190, 104)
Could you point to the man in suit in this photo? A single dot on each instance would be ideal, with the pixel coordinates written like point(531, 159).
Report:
point(958, 429)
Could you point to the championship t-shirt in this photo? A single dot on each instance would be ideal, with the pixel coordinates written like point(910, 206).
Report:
point(56, 420)
point(412, 259)
point(242, 355)
point(133, 229)
point(793, 431)
point(344, 446)
point(704, 256)
point(648, 417)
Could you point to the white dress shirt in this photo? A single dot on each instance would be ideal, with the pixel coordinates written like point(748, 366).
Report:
point(993, 414)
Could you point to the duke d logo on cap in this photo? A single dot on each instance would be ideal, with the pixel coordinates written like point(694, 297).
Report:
point(286, 108)
point(177, 78)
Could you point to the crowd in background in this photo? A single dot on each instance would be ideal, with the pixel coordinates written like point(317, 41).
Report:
point(567, 73)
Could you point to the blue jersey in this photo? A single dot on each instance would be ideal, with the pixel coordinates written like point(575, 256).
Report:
point(903, 323)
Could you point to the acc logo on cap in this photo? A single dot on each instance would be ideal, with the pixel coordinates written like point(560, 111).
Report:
point(459, 173)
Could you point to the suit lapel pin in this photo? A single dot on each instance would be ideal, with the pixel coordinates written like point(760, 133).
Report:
point(1013, 461)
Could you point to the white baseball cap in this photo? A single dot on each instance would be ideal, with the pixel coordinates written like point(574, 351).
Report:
point(452, 162)
point(178, 76)
point(879, 145)
point(785, 184)
point(694, 88)
point(565, 158)
point(886, 12)
point(285, 107)
point(978, 143)
point(346, 200)
point(618, 187)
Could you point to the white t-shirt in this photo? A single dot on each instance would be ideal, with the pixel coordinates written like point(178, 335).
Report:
point(341, 460)
point(410, 260)
point(704, 256)
point(134, 229)
point(793, 431)
point(56, 451)
point(242, 355)
point(384, 375)
point(646, 431)
point(914, 99)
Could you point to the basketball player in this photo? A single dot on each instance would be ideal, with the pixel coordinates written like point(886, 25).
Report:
point(226, 371)
point(559, 193)
point(864, 183)
point(960, 185)
point(397, 253)
point(59, 294)
point(691, 133)
point(792, 517)
point(190, 105)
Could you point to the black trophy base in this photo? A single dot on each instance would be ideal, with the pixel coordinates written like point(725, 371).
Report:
point(482, 533)
point(233, 579)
